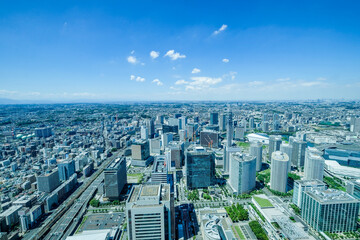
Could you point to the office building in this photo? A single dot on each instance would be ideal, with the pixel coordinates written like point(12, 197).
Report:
point(115, 178)
point(173, 156)
point(66, 169)
point(222, 122)
point(298, 155)
point(159, 172)
point(214, 118)
point(150, 212)
point(209, 139)
point(155, 145)
point(144, 133)
point(274, 144)
point(265, 126)
point(314, 164)
point(301, 186)
point(330, 210)
point(170, 128)
point(166, 138)
point(150, 127)
point(353, 188)
point(11, 215)
point(355, 124)
point(242, 173)
point(279, 171)
point(47, 182)
point(43, 132)
point(256, 151)
point(140, 153)
point(200, 167)
point(251, 123)
point(239, 133)
point(182, 122)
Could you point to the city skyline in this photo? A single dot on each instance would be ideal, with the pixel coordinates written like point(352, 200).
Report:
point(141, 51)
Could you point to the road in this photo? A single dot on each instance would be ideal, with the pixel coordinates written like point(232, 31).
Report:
point(67, 209)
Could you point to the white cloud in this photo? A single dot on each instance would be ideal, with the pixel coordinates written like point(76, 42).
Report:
point(310, 84)
point(174, 88)
point(204, 81)
point(137, 78)
point(222, 28)
point(283, 79)
point(174, 55)
point(255, 83)
point(132, 59)
point(5, 92)
point(180, 82)
point(225, 60)
point(321, 79)
point(154, 54)
point(158, 82)
point(195, 70)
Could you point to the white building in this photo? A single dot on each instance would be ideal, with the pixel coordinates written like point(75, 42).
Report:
point(256, 151)
point(242, 173)
point(314, 164)
point(279, 171)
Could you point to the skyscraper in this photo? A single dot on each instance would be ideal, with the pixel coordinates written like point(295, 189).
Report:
point(287, 148)
point(214, 118)
point(115, 178)
point(242, 173)
point(222, 122)
point(209, 138)
point(229, 138)
point(150, 212)
point(256, 151)
point(66, 169)
point(150, 127)
point(279, 171)
point(298, 154)
point(301, 186)
point(200, 167)
point(140, 153)
point(274, 144)
point(144, 132)
point(314, 164)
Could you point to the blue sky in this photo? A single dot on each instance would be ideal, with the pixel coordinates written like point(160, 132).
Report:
point(201, 50)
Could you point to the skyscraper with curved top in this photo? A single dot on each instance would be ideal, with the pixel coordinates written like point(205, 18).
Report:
point(279, 171)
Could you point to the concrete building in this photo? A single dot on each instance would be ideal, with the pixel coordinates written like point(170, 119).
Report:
point(159, 172)
point(242, 173)
point(43, 132)
point(330, 210)
point(48, 181)
point(301, 186)
point(150, 212)
point(314, 164)
point(11, 215)
point(140, 153)
point(222, 122)
point(239, 133)
point(209, 139)
point(265, 126)
point(287, 148)
point(199, 167)
point(173, 156)
point(150, 127)
point(256, 151)
point(298, 155)
point(274, 144)
point(279, 171)
point(115, 178)
point(353, 188)
point(166, 138)
point(144, 133)
point(66, 169)
point(226, 156)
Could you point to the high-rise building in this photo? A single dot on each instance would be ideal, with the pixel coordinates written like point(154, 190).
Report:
point(286, 148)
point(298, 154)
point(265, 126)
point(301, 186)
point(140, 152)
point(150, 127)
point(209, 138)
point(355, 124)
point(251, 123)
point(150, 212)
point(314, 164)
point(279, 171)
point(166, 138)
point(229, 138)
point(330, 210)
point(182, 122)
point(239, 133)
point(48, 181)
point(200, 167)
point(256, 151)
point(214, 118)
point(226, 156)
point(144, 133)
point(242, 173)
point(115, 178)
point(274, 144)
point(66, 169)
point(222, 122)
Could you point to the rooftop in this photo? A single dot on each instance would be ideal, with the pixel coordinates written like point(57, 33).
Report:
point(331, 196)
point(313, 182)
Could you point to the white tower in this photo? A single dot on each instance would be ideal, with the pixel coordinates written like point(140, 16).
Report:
point(279, 171)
